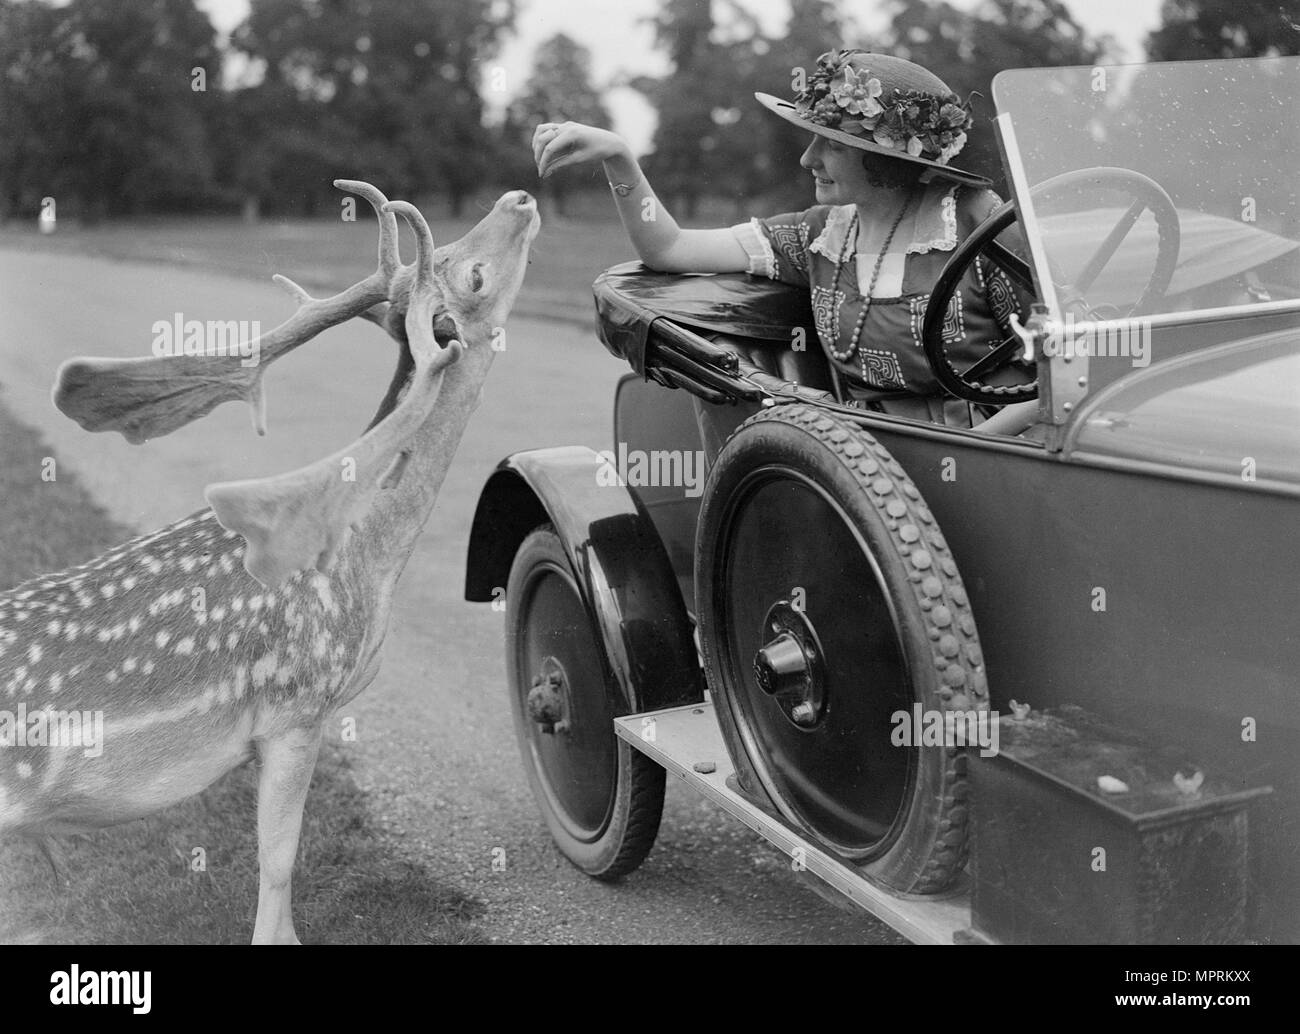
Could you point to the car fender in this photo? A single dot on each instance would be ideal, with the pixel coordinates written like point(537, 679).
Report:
point(617, 558)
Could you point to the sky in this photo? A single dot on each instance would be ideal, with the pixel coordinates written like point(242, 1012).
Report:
point(623, 45)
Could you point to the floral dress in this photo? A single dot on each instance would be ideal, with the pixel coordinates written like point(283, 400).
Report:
point(889, 370)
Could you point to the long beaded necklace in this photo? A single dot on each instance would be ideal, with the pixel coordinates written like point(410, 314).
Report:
point(850, 239)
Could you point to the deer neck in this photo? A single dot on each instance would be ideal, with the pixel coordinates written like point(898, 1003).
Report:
point(389, 531)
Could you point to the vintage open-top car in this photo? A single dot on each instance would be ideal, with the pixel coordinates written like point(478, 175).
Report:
point(1100, 573)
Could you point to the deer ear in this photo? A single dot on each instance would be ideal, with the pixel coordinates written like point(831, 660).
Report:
point(300, 520)
point(151, 397)
point(293, 522)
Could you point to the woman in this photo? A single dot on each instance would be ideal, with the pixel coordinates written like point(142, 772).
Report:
point(889, 212)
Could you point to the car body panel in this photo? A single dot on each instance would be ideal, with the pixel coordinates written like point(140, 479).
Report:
point(617, 559)
point(1200, 630)
point(1231, 410)
point(1167, 604)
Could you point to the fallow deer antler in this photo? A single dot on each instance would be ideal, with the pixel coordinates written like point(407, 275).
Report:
point(301, 519)
point(150, 397)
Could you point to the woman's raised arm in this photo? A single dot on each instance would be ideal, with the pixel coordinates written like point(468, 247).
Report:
point(660, 243)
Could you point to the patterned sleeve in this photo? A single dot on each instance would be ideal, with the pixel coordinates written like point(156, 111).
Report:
point(778, 246)
point(1002, 295)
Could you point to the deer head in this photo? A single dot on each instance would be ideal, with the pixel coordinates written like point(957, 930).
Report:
point(448, 300)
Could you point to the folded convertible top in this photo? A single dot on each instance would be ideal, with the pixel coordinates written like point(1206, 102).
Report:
point(630, 298)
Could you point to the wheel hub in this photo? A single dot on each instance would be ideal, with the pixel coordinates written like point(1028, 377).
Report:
point(548, 699)
point(790, 666)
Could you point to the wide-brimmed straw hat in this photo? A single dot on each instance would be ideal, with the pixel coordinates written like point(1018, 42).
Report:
point(884, 104)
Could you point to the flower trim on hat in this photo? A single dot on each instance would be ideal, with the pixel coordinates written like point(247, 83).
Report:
point(921, 125)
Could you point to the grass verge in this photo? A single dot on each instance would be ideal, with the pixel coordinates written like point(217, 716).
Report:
point(326, 255)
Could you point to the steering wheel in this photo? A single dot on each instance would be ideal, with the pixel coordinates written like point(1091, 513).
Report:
point(1146, 193)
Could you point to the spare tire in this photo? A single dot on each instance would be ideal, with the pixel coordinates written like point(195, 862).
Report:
point(829, 602)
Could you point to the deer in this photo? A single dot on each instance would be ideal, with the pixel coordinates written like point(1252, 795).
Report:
point(238, 630)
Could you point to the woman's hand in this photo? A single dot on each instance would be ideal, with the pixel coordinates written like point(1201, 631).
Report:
point(559, 146)
point(660, 243)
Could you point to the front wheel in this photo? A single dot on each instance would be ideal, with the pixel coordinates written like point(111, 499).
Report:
point(601, 799)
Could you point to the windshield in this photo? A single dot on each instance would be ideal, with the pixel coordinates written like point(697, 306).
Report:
point(1190, 200)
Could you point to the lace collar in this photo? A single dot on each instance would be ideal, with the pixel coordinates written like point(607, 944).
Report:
point(934, 225)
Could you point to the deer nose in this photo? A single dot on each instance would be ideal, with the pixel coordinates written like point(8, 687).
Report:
point(515, 200)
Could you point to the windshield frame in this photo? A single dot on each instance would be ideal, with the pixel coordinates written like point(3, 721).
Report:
point(1063, 379)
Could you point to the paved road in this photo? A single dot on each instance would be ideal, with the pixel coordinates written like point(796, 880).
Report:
point(435, 747)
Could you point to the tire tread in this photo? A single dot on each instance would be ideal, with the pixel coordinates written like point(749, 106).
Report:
point(938, 593)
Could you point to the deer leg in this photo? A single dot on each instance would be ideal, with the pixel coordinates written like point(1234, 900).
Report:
point(57, 858)
point(288, 761)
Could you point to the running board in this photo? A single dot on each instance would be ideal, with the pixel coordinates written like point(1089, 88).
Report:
point(688, 743)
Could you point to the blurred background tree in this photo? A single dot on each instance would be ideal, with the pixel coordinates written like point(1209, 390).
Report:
point(1198, 29)
point(99, 104)
point(812, 23)
point(968, 48)
point(347, 85)
point(684, 162)
point(712, 138)
point(559, 90)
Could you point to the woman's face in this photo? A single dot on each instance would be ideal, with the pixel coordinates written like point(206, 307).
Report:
point(837, 168)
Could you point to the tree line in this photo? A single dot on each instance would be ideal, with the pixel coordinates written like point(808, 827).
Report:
point(120, 108)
